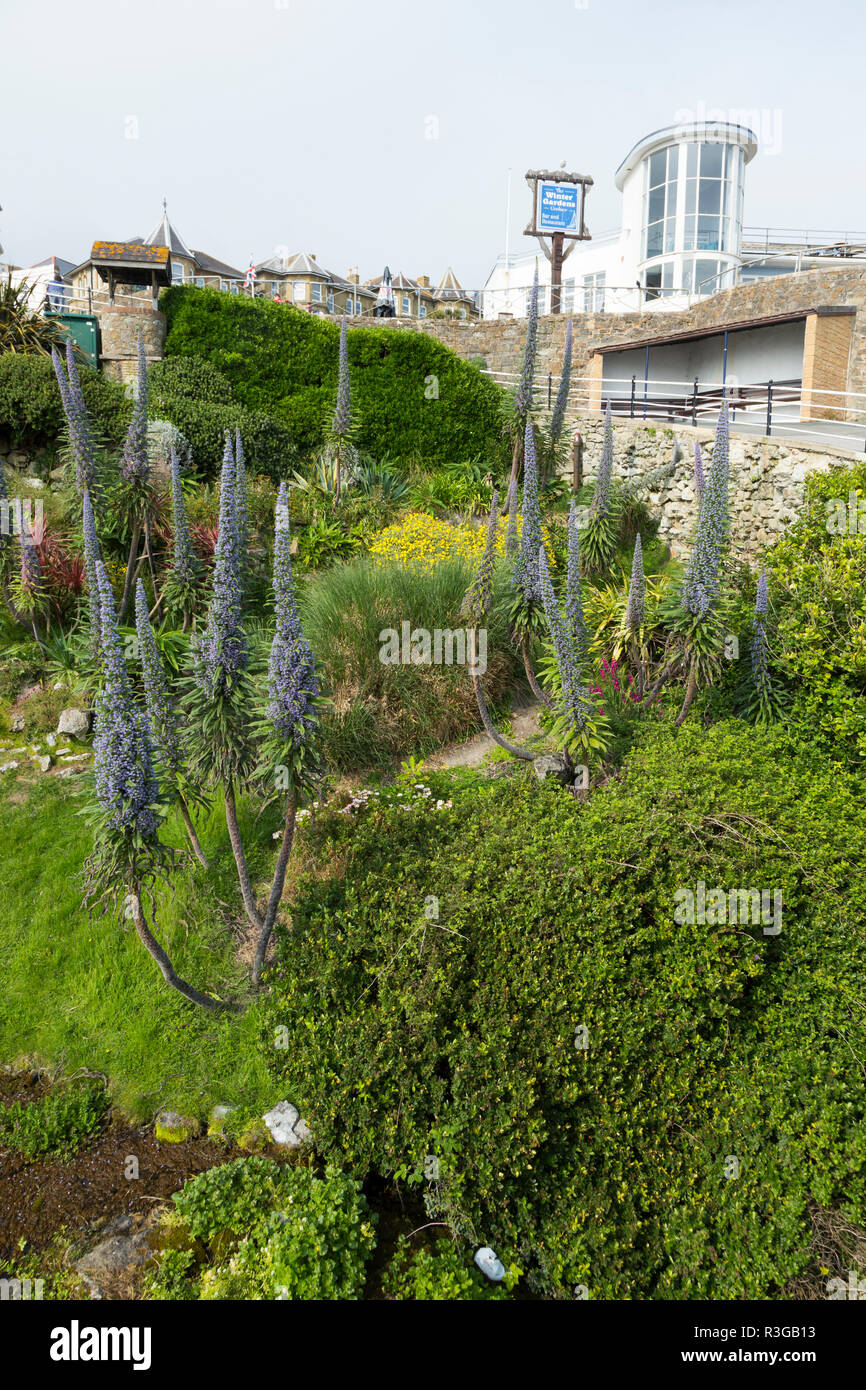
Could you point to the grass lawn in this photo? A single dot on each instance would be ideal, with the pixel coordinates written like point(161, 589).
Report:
point(84, 993)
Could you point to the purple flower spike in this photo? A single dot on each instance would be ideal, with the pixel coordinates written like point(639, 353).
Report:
point(700, 586)
point(221, 653)
point(125, 783)
point(92, 557)
point(574, 615)
point(601, 495)
point(636, 590)
point(523, 396)
point(574, 693)
point(700, 481)
point(292, 681)
point(161, 715)
point(134, 464)
point(526, 568)
point(560, 405)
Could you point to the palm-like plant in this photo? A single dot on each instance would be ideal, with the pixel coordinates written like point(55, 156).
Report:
point(21, 329)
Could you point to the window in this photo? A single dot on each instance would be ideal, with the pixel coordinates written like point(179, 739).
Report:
point(199, 280)
point(317, 292)
point(712, 200)
point(235, 287)
point(660, 202)
point(330, 301)
point(177, 273)
point(567, 296)
point(224, 286)
point(702, 277)
point(593, 293)
point(404, 304)
point(299, 291)
point(652, 281)
point(423, 311)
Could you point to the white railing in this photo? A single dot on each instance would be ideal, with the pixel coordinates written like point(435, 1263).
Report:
point(770, 409)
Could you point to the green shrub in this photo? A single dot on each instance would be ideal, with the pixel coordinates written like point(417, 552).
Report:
point(283, 361)
point(273, 1231)
point(199, 400)
point(60, 1123)
point(461, 1035)
point(31, 412)
point(445, 1273)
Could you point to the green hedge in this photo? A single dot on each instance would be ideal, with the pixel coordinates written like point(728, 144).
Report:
point(284, 361)
point(608, 1167)
point(31, 412)
point(199, 400)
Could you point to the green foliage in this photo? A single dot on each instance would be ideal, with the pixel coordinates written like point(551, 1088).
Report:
point(58, 1124)
point(269, 1231)
point(602, 1165)
point(379, 712)
point(200, 401)
point(818, 592)
point(31, 412)
point(445, 1273)
point(283, 361)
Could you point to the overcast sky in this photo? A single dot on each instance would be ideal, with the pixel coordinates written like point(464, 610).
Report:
point(384, 131)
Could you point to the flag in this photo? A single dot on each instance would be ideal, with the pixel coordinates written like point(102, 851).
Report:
point(251, 276)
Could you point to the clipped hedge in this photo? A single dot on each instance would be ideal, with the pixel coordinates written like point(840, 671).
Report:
point(283, 361)
point(31, 412)
point(719, 1098)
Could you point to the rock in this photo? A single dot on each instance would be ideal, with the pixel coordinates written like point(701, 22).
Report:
point(551, 765)
point(286, 1126)
point(171, 1128)
point(18, 723)
point(51, 740)
point(7, 767)
point(124, 1248)
point(75, 722)
point(489, 1264)
point(44, 763)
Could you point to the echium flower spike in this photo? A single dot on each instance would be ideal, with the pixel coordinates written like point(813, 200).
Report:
point(125, 783)
point(700, 481)
point(526, 567)
point(634, 615)
point(479, 595)
point(574, 693)
point(241, 493)
point(601, 495)
point(31, 571)
point(292, 682)
point(92, 557)
point(512, 542)
point(523, 395)
point(185, 562)
point(759, 650)
point(161, 714)
point(77, 423)
point(342, 411)
point(761, 595)
point(134, 464)
point(221, 653)
point(5, 514)
point(700, 585)
point(574, 615)
point(560, 405)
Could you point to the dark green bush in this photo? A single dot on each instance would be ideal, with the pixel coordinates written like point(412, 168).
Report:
point(444, 1273)
point(31, 412)
point(283, 361)
point(199, 400)
point(458, 1034)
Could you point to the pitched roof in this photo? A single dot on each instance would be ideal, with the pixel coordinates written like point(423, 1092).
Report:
point(211, 266)
point(449, 287)
point(60, 266)
point(166, 234)
point(299, 264)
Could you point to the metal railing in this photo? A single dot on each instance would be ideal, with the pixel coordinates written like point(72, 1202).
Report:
point(775, 409)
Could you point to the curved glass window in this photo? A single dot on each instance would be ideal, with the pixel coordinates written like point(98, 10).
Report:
point(660, 202)
point(713, 186)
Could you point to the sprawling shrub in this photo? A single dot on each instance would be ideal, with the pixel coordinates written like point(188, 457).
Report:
point(411, 395)
point(619, 1097)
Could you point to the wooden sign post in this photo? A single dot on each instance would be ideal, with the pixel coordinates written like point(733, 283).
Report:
point(558, 204)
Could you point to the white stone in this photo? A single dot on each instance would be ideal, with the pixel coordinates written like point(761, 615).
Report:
point(7, 767)
point(73, 721)
point(281, 1123)
point(489, 1264)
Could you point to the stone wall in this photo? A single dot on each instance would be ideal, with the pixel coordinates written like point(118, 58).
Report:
point(500, 341)
point(766, 479)
point(119, 330)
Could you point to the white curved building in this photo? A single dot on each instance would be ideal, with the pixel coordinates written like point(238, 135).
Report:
point(681, 232)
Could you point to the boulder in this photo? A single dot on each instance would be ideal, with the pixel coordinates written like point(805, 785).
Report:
point(125, 1246)
point(489, 1264)
point(18, 723)
point(75, 722)
point(551, 765)
point(44, 763)
point(285, 1125)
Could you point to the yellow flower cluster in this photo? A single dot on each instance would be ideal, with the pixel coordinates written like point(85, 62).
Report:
point(426, 541)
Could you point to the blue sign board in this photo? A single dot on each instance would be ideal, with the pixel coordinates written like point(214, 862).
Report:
point(558, 207)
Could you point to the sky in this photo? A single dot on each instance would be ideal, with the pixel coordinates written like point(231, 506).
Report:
point(385, 132)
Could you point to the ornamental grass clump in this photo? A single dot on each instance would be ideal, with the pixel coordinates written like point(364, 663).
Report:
point(163, 718)
point(127, 852)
